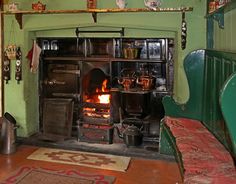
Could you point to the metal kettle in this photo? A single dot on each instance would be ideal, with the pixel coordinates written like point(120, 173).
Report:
point(127, 79)
point(132, 135)
point(146, 82)
point(127, 82)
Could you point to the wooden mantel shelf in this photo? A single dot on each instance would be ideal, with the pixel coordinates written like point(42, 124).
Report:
point(19, 14)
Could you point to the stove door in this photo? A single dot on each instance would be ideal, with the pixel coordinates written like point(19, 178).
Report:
point(61, 80)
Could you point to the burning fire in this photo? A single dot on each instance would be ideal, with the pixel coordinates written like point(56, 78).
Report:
point(101, 98)
point(104, 99)
point(104, 87)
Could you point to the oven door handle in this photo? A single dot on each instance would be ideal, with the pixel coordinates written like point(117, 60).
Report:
point(54, 82)
point(76, 72)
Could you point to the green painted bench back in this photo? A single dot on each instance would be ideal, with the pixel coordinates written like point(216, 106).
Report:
point(207, 72)
point(228, 101)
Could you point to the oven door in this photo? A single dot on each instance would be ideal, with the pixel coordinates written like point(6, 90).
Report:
point(61, 80)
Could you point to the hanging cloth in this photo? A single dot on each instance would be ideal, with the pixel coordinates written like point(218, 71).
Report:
point(33, 56)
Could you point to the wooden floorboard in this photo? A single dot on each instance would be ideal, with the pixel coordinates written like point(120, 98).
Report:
point(140, 171)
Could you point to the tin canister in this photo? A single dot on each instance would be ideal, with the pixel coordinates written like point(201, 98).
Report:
point(91, 4)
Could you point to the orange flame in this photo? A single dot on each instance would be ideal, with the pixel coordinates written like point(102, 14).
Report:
point(104, 99)
point(104, 85)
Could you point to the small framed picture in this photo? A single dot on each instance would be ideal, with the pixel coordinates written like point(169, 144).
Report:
point(154, 49)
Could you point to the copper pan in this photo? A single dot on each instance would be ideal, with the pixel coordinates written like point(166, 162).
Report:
point(146, 82)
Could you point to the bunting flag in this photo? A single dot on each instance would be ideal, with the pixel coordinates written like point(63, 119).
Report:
point(33, 56)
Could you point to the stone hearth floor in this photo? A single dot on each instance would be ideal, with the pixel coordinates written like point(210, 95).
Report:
point(146, 150)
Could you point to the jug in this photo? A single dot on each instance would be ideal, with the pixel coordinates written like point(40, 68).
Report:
point(121, 3)
point(152, 4)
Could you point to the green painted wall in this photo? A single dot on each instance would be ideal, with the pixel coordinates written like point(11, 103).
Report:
point(21, 100)
point(225, 39)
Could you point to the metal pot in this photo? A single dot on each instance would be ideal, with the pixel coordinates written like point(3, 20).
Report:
point(146, 82)
point(127, 78)
point(132, 136)
point(127, 82)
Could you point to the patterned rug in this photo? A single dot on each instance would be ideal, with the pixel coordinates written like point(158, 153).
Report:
point(33, 175)
point(101, 161)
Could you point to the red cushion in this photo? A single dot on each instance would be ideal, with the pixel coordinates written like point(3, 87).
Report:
point(205, 159)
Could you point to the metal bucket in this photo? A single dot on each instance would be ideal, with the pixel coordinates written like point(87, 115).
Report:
point(8, 134)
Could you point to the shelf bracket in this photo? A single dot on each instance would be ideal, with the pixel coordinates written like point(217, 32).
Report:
point(219, 17)
point(18, 17)
point(94, 15)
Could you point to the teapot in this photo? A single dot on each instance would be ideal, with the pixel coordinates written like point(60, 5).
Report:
point(152, 4)
point(38, 6)
point(121, 3)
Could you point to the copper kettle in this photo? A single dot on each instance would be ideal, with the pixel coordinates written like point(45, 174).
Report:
point(127, 82)
point(146, 82)
point(127, 79)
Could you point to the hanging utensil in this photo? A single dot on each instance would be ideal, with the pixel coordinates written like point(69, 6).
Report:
point(18, 71)
point(11, 47)
point(6, 68)
point(183, 32)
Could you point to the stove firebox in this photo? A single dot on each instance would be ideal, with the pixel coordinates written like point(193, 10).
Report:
point(94, 124)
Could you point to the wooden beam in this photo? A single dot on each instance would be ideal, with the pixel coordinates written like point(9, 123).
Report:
point(94, 12)
point(106, 10)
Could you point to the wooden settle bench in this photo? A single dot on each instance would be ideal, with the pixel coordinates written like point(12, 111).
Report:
point(201, 133)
